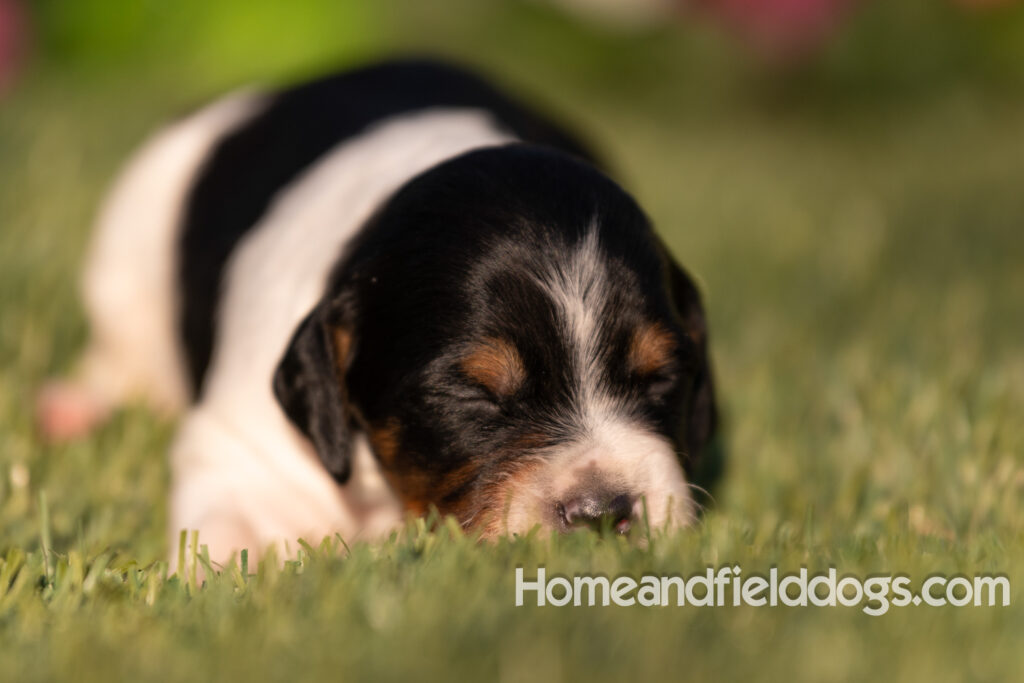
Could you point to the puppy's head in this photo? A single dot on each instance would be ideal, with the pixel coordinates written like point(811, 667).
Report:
point(517, 345)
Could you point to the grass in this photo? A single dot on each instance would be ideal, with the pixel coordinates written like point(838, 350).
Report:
point(861, 254)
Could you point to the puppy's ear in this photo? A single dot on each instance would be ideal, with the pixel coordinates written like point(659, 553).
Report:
point(702, 416)
point(309, 385)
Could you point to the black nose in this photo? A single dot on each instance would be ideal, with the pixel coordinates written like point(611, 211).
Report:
point(597, 512)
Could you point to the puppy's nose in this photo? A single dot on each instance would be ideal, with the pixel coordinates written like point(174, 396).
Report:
point(596, 511)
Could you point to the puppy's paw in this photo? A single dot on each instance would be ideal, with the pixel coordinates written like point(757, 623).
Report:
point(66, 411)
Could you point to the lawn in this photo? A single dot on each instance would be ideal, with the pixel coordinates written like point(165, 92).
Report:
point(858, 230)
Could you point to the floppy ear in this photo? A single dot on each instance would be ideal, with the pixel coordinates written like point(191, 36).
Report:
point(309, 385)
point(702, 415)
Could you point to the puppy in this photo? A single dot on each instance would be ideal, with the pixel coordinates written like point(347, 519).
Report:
point(391, 289)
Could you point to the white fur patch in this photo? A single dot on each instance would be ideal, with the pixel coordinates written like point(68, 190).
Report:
point(129, 282)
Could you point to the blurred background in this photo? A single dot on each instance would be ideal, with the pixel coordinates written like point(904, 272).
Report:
point(843, 177)
point(857, 46)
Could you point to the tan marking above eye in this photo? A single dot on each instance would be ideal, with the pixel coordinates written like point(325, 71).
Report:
point(651, 348)
point(496, 364)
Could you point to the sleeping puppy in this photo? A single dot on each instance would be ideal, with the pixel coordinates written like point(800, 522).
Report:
point(387, 290)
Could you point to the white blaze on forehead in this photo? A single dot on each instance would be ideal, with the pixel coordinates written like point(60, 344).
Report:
point(578, 287)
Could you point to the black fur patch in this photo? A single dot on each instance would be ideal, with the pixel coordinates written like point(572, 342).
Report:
point(250, 165)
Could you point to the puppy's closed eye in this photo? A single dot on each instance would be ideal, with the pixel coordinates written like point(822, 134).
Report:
point(652, 359)
point(496, 365)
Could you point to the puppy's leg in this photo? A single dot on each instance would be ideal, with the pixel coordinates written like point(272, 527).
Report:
point(210, 470)
point(127, 290)
point(129, 282)
point(248, 481)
